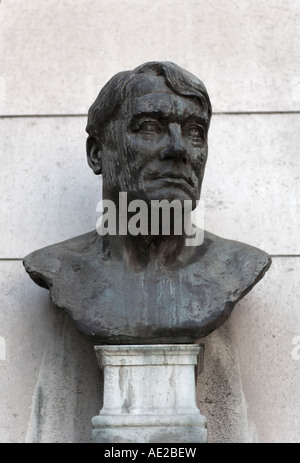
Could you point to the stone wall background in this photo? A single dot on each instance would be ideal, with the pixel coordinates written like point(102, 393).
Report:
point(55, 56)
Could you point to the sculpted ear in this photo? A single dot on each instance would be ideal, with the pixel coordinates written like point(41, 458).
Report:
point(94, 155)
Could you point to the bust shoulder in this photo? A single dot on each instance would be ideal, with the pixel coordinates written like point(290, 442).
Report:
point(43, 265)
point(233, 263)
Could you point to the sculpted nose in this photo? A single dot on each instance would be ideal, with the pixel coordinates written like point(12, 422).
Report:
point(175, 149)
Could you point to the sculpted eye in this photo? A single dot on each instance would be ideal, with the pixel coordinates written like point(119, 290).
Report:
point(150, 127)
point(195, 131)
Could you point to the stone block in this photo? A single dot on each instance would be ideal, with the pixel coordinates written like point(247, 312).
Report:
point(252, 181)
point(50, 385)
point(249, 387)
point(250, 190)
point(56, 55)
point(266, 331)
point(47, 191)
point(149, 395)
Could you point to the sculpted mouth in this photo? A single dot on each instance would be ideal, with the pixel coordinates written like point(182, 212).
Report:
point(177, 176)
point(176, 179)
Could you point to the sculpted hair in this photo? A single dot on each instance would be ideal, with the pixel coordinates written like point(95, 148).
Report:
point(114, 92)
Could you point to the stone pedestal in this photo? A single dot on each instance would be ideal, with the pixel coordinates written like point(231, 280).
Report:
point(149, 395)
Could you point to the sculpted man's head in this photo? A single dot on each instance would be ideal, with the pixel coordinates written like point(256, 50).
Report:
point(148, 133)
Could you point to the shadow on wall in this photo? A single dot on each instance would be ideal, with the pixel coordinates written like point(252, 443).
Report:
point(68, 391)
point(219, 390)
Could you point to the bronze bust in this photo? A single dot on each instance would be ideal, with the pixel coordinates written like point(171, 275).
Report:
point(147, 136)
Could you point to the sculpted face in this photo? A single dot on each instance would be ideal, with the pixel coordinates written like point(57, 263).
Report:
point(156, 148)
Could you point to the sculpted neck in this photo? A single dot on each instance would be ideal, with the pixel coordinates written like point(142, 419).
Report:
point(139, 235)
point(141, 251)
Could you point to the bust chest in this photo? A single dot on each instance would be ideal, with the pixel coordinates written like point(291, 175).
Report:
point(112, 302)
